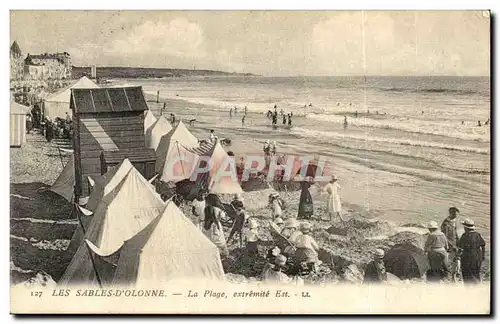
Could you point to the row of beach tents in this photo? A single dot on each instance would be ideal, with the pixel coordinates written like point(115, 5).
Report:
point(178, 153)
point(128, 236)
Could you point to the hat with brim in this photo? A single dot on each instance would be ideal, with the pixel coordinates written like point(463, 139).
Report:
point(432, 225)
point(468, 223)
point(278, 221)
point(252, 224)
point(379, 254)
point(280, 260)
point(291, 223)
point(306, 227)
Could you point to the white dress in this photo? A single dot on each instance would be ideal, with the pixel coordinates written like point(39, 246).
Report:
point(215, 233)
point(333, 204)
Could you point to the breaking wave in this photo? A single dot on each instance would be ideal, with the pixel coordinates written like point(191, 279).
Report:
point(402, 141)
point(414, 126)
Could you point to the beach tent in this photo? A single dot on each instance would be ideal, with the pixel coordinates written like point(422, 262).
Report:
point(107, 182)
point(220, 178)
point(149, 120)
point(122, 213)
point(64, 184)
point(171, 247)
point(18, 124)
point(156, 131)
point(172, 152)
point(57, 105)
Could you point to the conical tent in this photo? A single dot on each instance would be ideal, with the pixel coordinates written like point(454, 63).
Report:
point(221, 176)
point(171, 247)
point(57, 105)
point(64, 184)
point(174, 162)
point(156, 131)
point(122, 213)
point(149, 120)
point(107, 182)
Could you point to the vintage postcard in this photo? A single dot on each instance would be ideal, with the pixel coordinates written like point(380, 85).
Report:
point(250, 162)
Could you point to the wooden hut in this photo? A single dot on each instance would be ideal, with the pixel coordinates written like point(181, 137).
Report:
point(18, 124)
point(108, 123)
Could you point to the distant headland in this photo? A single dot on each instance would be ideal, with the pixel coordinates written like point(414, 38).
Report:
point(113, 72)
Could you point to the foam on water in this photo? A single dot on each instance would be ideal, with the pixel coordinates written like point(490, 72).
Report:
point(465, 132)
point(304, 132)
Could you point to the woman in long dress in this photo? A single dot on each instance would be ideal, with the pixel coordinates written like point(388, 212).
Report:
point(306, 207)
point(333, 205)
point(212, 228)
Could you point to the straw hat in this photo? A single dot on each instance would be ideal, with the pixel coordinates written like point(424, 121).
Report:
point(334, 177)
point(468, 223)
point(432, 224)
point(280, 260)
point(276, 251)
point(379, 254)
point(291, 223)
point(454, 210)
point(278, 221)
point(252, 223)
point(306, 227)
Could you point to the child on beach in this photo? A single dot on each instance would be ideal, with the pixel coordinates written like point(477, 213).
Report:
point(252, 238)
point(276, 205)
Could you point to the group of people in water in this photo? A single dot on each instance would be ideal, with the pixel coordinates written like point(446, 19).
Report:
point(273, 116)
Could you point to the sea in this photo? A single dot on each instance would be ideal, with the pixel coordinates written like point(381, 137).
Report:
point(412, 147)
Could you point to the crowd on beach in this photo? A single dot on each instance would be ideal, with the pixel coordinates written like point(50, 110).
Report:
point(50, 129)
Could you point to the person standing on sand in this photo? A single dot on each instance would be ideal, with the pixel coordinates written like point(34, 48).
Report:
point(449, 228)
point(267, 152)
point(212, 136)
point(284, 119)
point(478, 123)
point(436, 247)
point(231, 113)
point(345, 122)
point(246, 109)
point(29, 123)
point(212, 227)
point(473, 251)
point(333, 205)
point(235, 110)
point(306, 207)
point(290, 119)
point(198, 209)
point(243, 120)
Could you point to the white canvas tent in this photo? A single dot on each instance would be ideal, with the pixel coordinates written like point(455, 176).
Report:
point(64, 184)
point(107, 182)
point(149, 120)
point(156, 131)
point(174, 162)
point(170, 248)
point(122, 213)
point(223, 179)
point(57, 105)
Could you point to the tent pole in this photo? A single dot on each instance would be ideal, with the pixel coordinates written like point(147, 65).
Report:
point(60, 156)
point(75, 207)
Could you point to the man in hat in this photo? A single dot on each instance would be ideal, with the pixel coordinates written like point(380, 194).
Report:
point(436, 247)
point(375, 270)
point(472, 245)
point(276, 275)
point(449, 228)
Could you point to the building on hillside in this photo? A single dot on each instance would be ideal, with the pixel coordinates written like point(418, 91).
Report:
point(16, 62)
point(56, 66)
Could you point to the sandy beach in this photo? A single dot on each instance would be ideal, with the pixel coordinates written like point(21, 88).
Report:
point(41, 224)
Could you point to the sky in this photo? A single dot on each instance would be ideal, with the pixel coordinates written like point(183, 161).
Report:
point(270, 43)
